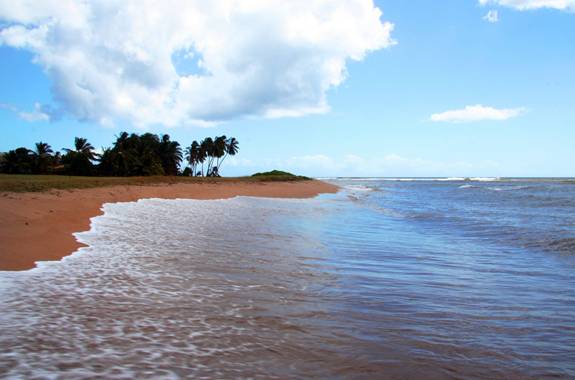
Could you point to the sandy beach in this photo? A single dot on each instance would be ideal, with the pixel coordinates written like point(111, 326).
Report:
point(39, 226)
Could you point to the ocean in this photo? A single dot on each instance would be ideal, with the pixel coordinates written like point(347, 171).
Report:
point(389, 278)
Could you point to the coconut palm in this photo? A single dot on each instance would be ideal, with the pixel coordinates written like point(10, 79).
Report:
point(170, 154)
point(78, 161)
point(231, 149)
point(42, 157)
point(131, 155)
point(43, 149)
point(83, 147)
point(219, 152)
point(192, 155)
point(207, 149)
point(202, 155)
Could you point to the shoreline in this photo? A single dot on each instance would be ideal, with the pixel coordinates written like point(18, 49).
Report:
point(40, 226)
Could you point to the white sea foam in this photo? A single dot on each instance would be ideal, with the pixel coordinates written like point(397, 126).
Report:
point(358, 188)
point(485, 179)
point(421, 179)
point(450, 179)
point(507, 188)
point(219, 289)
point(161, 283)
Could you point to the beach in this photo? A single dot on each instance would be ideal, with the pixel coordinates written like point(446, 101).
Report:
point(386, 278)
point(39, 226)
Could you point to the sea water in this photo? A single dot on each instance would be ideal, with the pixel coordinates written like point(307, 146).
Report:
point(386, 279)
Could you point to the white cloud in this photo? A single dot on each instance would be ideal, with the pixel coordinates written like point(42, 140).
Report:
point(492, 16)
point(523, 5)
point(40, 112)
point(37, 115)
point(476, 113)
point(115, 59)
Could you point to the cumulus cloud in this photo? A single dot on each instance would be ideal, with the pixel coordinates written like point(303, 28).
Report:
point(492, 16)
point(193, 61)
point(476, 113)
point(523, 5)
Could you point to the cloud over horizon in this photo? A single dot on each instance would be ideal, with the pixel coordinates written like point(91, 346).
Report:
point(387, 165)
point(523, 5)
point(476, 113)
point(193, 62)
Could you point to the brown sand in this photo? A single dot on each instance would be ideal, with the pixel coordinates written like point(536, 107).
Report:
point(39, 226)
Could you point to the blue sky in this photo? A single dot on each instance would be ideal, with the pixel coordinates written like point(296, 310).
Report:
point(396, 108)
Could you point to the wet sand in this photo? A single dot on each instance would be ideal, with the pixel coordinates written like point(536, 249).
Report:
point(39, 226)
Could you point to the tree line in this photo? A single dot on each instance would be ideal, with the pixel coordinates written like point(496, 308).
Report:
point(130, 155)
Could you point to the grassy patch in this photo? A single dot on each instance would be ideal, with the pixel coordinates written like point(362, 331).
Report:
point(37, 183)
point(278, 175)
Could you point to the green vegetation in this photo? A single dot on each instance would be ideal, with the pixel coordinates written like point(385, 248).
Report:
point(28, 183)
point(133, 159)
point(278, 175)
point(38, 183)
point(131, 155)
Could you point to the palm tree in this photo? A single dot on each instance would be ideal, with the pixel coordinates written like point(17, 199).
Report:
point(131, 154)
point(192, 155)
point(78, 161)
point(43, 149)
point(170, 154)
point(202, 154)
point(42, 157)
point(219, 152)
point(207, 149)
point(82, 146)
point(121, 140)
point(231, 149)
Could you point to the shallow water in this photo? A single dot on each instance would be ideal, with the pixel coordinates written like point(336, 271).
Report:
point(387, 279)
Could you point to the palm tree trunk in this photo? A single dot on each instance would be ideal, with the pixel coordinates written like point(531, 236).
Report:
point(210, 164)
point(222, 161)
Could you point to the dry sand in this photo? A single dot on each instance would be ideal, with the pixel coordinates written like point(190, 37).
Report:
point(39, 226)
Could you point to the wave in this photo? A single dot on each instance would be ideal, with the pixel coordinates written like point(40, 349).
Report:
point(418, 179)
point(508, 188)
point(358, 188)
point(496, 188)
point(451, 179)
point(484, 179)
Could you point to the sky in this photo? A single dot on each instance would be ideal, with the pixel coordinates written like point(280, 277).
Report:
point(321, 88)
